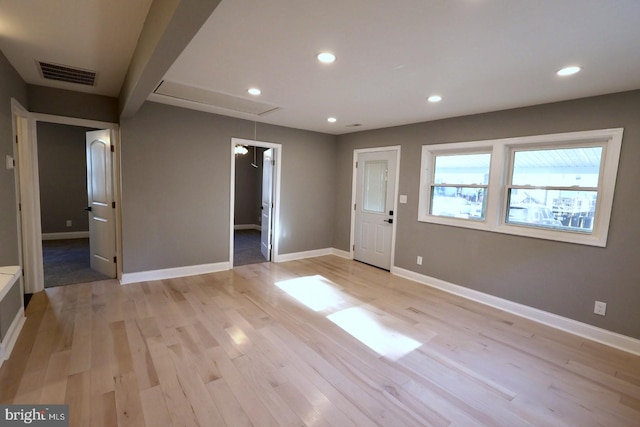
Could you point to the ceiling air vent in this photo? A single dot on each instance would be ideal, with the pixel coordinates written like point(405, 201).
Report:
point(63, 73)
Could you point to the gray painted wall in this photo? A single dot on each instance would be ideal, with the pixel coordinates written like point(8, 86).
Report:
point(62, 168)
point(62, 102)
point(176, 172)
point(11, 85)
point(560, 278)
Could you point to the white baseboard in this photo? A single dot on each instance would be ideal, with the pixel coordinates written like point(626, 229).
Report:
point(12, 335)
point(341, 253)
point(247, 227)
point(603, 336)
point(66, 236)
point(172, 273)
point(302, 255)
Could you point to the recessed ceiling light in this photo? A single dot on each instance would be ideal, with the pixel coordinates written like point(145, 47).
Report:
point(567, 71)
point(326, 57)
point(254, 91)
point(332, 120)
point(434, 98)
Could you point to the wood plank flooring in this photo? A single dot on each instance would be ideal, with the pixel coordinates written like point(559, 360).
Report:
point(318, 342)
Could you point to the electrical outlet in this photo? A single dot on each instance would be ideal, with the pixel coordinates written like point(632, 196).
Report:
point(69, 223)
point(419, 260)
point(600, 308)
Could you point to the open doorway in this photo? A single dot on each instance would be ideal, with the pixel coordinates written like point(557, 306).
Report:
point(27, 165)
point(62, 170)
point(247, 225)
point(254, 202)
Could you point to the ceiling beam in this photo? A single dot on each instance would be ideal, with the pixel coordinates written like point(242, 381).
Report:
point(168, 29)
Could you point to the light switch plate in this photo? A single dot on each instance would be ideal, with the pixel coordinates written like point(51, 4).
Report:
point(9, 162)
point(403, 198)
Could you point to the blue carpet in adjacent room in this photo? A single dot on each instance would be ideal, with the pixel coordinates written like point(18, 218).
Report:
point(67, 262)
point(246, 247)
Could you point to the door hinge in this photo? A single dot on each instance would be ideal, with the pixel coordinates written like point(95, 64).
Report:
point(354, 206)
point(16, 139)
point(356, 165)
point(113, 205)
point(115, 259)
point(354, 247)
point(113, 149)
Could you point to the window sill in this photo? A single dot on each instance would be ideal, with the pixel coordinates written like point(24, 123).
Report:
point(589, 239)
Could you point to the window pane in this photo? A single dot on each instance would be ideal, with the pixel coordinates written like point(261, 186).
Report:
point(566, 167)
point(375, 186)
point(462, 169)
point(567, 210)
point(459, 202)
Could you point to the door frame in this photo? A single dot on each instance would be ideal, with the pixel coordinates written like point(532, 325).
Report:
point(275, 230)
point(354, 187)
point(29, 192)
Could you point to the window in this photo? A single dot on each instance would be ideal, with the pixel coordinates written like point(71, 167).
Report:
point(459, 186)
point(375, 186)
point(554, 188)
point(557, 187)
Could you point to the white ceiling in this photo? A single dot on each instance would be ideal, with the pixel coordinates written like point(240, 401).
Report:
point(479, 55)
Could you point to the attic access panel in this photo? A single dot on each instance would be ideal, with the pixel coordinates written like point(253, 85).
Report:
point(215, 99)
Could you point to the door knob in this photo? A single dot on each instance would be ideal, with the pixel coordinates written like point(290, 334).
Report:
point(88, 209)
point(390, 220)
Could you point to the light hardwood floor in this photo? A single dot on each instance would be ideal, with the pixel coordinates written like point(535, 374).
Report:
point(318, 342)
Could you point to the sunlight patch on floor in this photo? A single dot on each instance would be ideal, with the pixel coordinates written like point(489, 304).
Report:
point(376, 332)
point(368, 328)
point(316, 292)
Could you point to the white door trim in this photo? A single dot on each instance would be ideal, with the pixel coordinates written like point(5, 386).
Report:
point(354, 179)
point(29, 190)
point(276, 194)
point(27, 225)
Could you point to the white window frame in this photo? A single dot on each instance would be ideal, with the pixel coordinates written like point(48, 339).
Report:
point(502, 153)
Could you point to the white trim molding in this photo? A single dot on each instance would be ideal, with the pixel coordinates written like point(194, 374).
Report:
point(603, 336)
point(66, 236)
point(294, 256)
point(194, 270)
point(247, 227)
point(341, 253)
point(6, 346)
point(172, 273)
point(10, 277)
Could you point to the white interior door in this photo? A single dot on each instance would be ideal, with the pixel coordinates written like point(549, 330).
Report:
point(267, 203)
point(102, 231)
point(374, 207)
